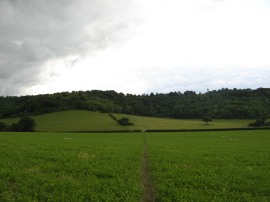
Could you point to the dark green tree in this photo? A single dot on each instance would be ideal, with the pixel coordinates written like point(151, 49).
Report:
point(125, 122)
point(260, 119)
point(2, 126)
point(28, 124)
point(16, 127)
point(207, 119)
point(9, 128)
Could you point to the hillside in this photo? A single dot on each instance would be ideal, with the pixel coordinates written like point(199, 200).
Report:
point(80, 120)
point(73, 120)
point(220, 104)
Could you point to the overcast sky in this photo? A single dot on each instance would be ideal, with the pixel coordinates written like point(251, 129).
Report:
point(133, 46)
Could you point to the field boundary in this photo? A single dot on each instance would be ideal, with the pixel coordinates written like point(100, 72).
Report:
point(161, 130)
point(213, 129)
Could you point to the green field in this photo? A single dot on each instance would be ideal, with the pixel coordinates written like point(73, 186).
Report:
point(74, 120)
point(188, 166)
point(211, 166)
point(79, 120)
point(149, 123)
point(70, 167)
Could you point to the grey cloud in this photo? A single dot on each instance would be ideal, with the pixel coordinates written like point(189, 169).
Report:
point(33, 32)
point(201, 79)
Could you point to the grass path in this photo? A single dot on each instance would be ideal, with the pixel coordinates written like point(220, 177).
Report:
point(147, 182)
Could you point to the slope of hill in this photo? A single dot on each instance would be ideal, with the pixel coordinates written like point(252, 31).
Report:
point(80, 120)
point(220, 104)
point(153, 123)
point(73, 120)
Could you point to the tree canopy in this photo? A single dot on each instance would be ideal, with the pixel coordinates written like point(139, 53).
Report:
point(224, 103)
point(27, 124)
point(206, 119)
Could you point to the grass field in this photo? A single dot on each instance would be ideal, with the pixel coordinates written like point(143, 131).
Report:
point(79, 120)
point(70, 167)
point(211, 166)
point(74, 120)
point(193, 166)
point(148, 123)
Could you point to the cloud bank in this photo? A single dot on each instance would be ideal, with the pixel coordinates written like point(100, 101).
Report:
point(34, 33)
point(133, 46)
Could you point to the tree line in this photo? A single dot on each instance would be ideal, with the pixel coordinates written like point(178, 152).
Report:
point(224, 103)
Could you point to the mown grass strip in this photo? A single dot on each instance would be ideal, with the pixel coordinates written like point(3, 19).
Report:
point(147, 181)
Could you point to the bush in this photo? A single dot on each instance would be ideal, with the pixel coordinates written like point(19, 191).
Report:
point(259, 123)
point(16, 127)
point(2, 126)
point(125, 122)
point(8, 128)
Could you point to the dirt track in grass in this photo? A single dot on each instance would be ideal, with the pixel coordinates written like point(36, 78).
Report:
point(147, 180)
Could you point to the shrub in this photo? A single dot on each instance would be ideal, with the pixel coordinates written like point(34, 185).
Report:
point(125, 122)
point(2, 126)
point(259, 123)
point(16, 127)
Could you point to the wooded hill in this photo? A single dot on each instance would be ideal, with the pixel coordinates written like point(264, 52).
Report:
point(223, 104)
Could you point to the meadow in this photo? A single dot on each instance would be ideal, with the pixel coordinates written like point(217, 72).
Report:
point(211, 166)
point(70, 167)
point(82, 120)
point(186, 166)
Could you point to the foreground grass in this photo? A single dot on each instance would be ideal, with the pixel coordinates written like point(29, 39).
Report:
point(211, 166)
point(70, 167)
point(192, 166)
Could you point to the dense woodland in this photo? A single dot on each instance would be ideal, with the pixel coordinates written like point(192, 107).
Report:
point(224, 103)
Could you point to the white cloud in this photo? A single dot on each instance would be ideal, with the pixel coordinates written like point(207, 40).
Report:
point(35, 33)
point(140, 46)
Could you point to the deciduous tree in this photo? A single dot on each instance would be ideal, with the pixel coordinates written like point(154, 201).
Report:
point(28, 124)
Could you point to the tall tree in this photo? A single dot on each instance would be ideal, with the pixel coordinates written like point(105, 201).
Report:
point(207, 119)
point(28, 124)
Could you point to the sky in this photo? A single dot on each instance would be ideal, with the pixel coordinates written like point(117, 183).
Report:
point(133, 46)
